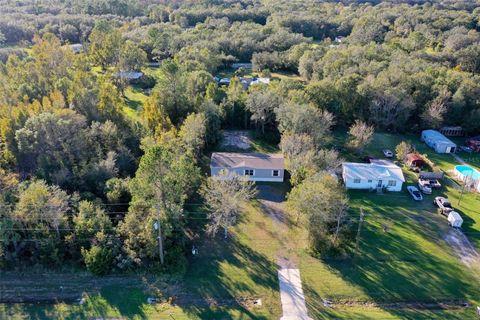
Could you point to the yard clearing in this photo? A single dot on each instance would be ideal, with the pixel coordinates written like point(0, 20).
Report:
point(236, 139)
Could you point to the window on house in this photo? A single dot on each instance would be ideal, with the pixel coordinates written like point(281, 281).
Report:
point(369, 181)
point(356, 180)
point(392, 183)
point(275, 173)
point(249, 172)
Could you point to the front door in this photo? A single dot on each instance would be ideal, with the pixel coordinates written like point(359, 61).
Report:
point(379, 184)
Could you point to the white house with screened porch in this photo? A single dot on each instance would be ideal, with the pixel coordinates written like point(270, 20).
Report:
point(252, 166)
point(371, 176)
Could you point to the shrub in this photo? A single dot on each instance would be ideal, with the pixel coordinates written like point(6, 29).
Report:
point(98, 260)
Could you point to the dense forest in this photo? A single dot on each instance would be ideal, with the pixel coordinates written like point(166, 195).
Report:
point(82, 182)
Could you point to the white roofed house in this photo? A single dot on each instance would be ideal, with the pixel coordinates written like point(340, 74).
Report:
point(253, 166)
point(371, 176)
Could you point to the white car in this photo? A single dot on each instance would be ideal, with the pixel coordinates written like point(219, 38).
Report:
point(415, 193)
point(388, 153)
point(424, 185)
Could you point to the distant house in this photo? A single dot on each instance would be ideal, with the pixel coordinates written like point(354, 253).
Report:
point(238, 65)
point(438, 141)
point(153, 64)
point(415, 160)
point(223, 81)
point(76, 47)
point(247, 82)
point(339, 39)
point(260, 81)
point(253, 166)
point(128, 75)
point(370, 176)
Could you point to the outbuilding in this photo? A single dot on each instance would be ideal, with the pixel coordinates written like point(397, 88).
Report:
point(454, 219)
point(253, 166)
point(438, 141)
point(371, 176)
point(415, 160)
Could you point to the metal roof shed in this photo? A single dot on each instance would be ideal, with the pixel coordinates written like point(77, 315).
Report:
point(438, 141)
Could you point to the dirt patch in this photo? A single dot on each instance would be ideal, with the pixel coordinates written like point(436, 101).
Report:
point(236, 139)
point(462, 247)
point(246, 302)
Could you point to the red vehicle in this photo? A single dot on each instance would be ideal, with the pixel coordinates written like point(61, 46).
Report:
point(473, 143)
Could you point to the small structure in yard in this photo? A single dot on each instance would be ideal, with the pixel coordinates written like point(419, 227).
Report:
point(438, 141)
point(223, 81)
point(76, 47)
point(452, 131)
point(247, 82)
point(473, 143)
point(371, 176)
point(454, 219)
point(415, 160)
point(253, 166)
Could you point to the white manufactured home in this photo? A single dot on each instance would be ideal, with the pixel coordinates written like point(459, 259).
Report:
point(253, 166)
point(370, 176)
point(438, 142)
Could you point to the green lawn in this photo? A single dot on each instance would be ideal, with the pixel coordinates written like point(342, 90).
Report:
point(134, 99)
point(410, 262)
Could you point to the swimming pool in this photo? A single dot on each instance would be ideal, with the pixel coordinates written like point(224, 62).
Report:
point(467, 172)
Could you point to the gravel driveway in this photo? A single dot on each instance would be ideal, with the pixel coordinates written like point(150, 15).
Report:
point(290, 283)
point(463, 247)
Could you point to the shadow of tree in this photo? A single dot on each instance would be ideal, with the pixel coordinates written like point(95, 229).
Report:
point(226, 272)
point(409, 263)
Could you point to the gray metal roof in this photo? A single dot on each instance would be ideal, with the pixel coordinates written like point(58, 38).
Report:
point(247, 160)
point(436, 136)
point(372, 171)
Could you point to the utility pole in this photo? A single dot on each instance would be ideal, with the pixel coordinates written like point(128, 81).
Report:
point(467, 180)
point(158, 227)
point(362, 215)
